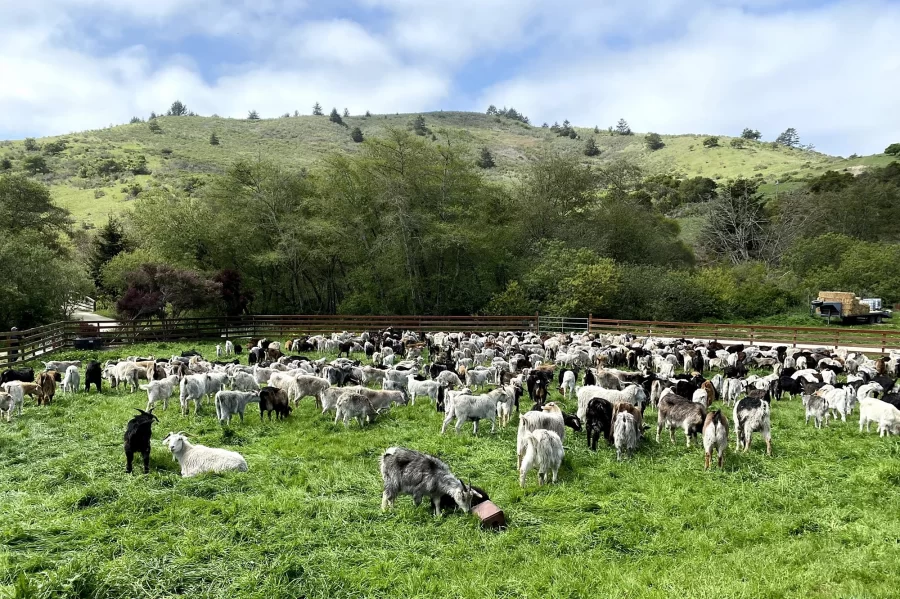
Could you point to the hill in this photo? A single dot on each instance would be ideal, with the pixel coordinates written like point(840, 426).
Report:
point(95, 173)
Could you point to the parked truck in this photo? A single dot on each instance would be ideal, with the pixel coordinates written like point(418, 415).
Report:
point(848, 308)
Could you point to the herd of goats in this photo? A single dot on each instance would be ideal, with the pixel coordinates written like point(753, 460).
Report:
point(620, 376)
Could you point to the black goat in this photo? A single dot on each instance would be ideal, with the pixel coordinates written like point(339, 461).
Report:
point(26, 375)
point(272, 399)
point(599, 419)
point(93, 375)
point(138, 432)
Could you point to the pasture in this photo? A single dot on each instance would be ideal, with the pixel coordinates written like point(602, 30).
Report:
point(814, 520)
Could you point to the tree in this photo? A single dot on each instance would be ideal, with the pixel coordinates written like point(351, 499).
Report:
point(109, 242)
point(317, 109)
point(334, 117)
point(711, 142)
point(654, 141)
point(368, 114)
point(154, 126)
point(737, 223)
point(31, 145)
point(752, 134)
point(789, 138)
point(492, 110)
point(5, 164)
point(135, 119)
point(152, 116)
point(26, 206)
point(177, 109)
point(893, 150)
point(544, 126)
point(622, 128)
point(55, 147)
point(590, 148)
point(213, 139)
point(357, 135)
point(35, 164)
point(486, 160)
point(296, 113)
point(418, 126)
point(252, 116)
point(346, 113)
point(235, 298)
point(596, 130)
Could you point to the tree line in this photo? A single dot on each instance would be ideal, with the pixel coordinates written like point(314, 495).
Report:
point(410, 224)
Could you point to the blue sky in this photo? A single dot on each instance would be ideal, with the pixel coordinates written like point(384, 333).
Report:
point(828, 68)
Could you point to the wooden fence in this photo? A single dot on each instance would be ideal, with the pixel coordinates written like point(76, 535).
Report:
point(836, 336)
point(29, 344)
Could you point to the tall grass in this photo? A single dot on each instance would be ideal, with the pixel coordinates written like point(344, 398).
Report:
point(815, 520)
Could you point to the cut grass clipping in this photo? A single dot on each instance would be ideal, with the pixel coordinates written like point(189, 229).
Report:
point(815, 520)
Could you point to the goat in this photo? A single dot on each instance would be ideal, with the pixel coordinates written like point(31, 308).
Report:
point(543, 451)
point(274, 400)
point(816, 408)
point(26, 375)
point(242, 381)
point(550, 418)
point(418, 388)
point(160, 390)
point(715, 435)
point(679, 412)
point(229, 348)
point(752, 414)
point(197, 459)
point(410, 472)
point(138, 432)
point(17, 397)
point(47, 383)
point(875, 410)
point(72, 381)
point(599, 421)
point(354, 405)
point(193, 388)
point(465, 407)
point(229, 403)
point(625, 434)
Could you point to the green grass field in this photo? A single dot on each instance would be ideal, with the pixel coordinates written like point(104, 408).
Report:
point(181, 150)
point(814, 520)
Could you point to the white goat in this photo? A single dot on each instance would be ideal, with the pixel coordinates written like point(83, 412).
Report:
point(229, 403)
point(241, 381)
point(15, 390)
point(160, 390)
point(193, 388)
point(418, 388)
point(229, 348)
point(543, 451)
point(625, 435)
point(465, 407)
point(551, 419)
point(72, 381)
point(197, 459)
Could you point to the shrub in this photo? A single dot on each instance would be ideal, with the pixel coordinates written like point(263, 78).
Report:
point(357, 135)
point(486, 160)
point(252, 116)
point(654, 141)
point(334, 117)
point(154, 126)
point(31, 144)
point(711, 142)
point(55, 147)
point(5, 164)
point(590, 148)
point(213, 139)
point(752, 134)
point(737, 142)
point(35, 164)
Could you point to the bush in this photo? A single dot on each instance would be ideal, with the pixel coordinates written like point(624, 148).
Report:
point(711, 142)
point(751, 134)
point(590, 148)
point(418, 126)
point(213, 139)
point(737, 142)
point(654, 141)
point(357, 135)
point(55, 147)
point(31, 145)
point(5, 164)
point(35, 164)
point(252, 116)
point(154, 126)
point(334, 117)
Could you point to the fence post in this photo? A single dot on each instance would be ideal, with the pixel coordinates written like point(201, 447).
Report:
point(590, 318)
point(883, 341)
point(537, 322)
point(751, 336)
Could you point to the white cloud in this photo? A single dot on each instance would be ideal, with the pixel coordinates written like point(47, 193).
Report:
point(831, 72)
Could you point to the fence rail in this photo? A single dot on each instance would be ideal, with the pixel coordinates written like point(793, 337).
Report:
point(562, 324)
point(29, 344)
point(867, 339)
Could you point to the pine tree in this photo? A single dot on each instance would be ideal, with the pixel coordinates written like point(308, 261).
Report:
point(596, 129)
point(368, 113)
point(590, 147)
point(491, 110)
point(789, 138)
point(152, 116)
point(252, 116)
point(317, 109)
point(296, 113)
point(486, 160)
point(109, 243)
point(544, 126)
point(177, 109)
point(622, 127)
point(5, 164)
point(334, 117)
point(135, 119)
point(357, 135)
point(346, 113)
point(154, 126)
point(213, 139)
point(418, 125)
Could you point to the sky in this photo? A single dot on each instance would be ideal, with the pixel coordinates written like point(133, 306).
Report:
point(830, 69)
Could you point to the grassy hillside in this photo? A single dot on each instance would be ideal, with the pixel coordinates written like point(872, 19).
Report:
point(305, 521)
point(181, 153)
